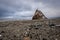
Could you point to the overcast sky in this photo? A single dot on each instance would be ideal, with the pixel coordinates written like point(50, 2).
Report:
point(24, 9)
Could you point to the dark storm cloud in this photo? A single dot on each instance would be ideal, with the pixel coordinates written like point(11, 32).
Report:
point(9, 7)
point(4, 12)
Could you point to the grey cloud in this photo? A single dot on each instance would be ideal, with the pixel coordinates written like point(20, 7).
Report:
point(16, 4)
point(4, 13)
point(50, 3)
point(10, 8)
